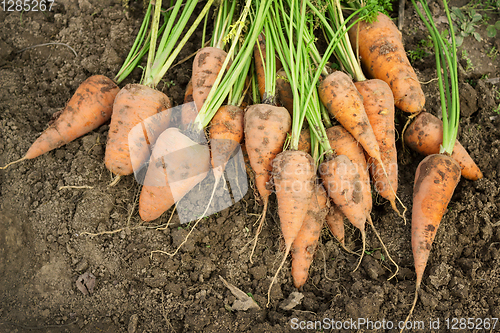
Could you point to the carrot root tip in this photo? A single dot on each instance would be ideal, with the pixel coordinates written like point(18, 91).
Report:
point(259, 229)
point(384, 247)
point(115, 181)
point(14, 162)
point(363, 236)
point(197, 221)
point(276, 274)
point(395, 208)
point(412, 307)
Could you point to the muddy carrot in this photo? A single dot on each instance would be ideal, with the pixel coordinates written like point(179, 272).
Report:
point(425, 136)
point(90, 107)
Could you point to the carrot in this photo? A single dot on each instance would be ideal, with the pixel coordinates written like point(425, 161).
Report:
point(383, 57)
point(335, 223)
point(90, 107)
point(435, 181)
point(293, 177)
point(188, 111)
point(266, 128)
point(259, 56)
point(351, 103)
point(425, 135)
point(206, 66)
point(343, 143)
point(188, 95)
point(134, 104)
point(437, 175)
point(379, 107)
point(344, 186)
point(306, 242)
point(176, 165)
point(305, 140)
point(284, 91)
point(226, 133)
point(344, 102)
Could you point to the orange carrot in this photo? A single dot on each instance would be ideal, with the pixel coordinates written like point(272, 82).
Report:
point(383, 57)
point(344, 186)
point(188, 95)
point(284, 91)
point(379, 107)
point(425, 135)
point(206, 66)
point(266, 128)
point(306, 242)
point(293, 177)
point(188, 111)
point(176, 165)
point(259, 55)
point(435, 181)
point(134, 104)
point(305, 141)
point(335, 223)
point(226, 133)
point(90, 107)
point(340, 96)
point(343, 143)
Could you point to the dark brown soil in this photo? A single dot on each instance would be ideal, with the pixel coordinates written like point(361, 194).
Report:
point(44, 249)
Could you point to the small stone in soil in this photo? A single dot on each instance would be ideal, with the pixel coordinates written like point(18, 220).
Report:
point(86, 283)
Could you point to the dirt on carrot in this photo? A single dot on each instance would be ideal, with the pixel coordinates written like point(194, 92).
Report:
point(206, 66)
point(379, 107)
point(133, 105)
point(90, 107)
point(340, 96)
point(305, 244)
point(425, 135)
point(383, 57)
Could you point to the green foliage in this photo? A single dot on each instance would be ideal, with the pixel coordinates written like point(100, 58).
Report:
point(469, 17)
point(491, 30)
point(372, 7)
point(465, 56)
point(467, 24)
point(497, 108)
point(492, 53)
point(423, 50)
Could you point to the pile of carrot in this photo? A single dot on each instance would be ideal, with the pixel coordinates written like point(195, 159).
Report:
point(317, 137)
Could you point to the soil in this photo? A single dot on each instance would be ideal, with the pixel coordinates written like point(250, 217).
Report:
point(47, 259)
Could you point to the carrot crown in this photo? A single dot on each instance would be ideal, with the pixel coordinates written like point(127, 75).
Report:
point(304, 66)
point(344, 51)
point(447, 72)
point(226, 79)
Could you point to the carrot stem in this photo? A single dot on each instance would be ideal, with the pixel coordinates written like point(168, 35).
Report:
point(135, 55)
point(448, 78)
point(159, 62)
point(217, 96)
